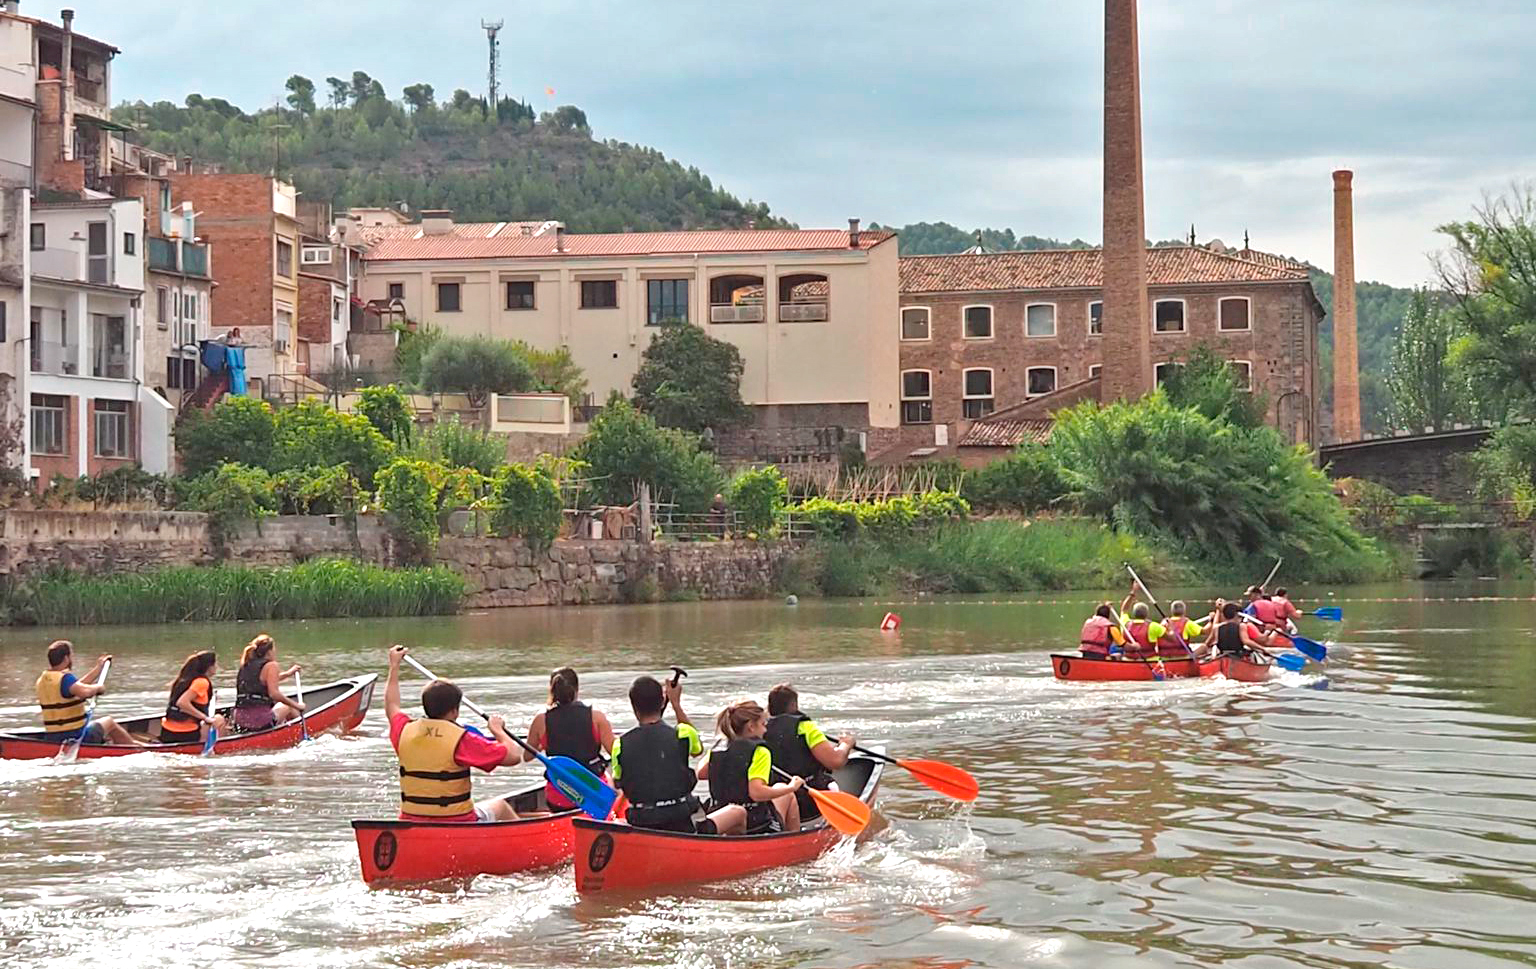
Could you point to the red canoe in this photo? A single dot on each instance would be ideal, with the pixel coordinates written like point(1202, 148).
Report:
point(407, 852)
point(335, 706)
point(1083, 669)
point(612, 856)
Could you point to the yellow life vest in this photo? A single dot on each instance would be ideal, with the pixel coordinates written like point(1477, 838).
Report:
point(432, 783)
point(59, 715)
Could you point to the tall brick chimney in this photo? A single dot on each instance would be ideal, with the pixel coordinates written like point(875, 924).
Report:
point(1127, 371)
point(1346, 354)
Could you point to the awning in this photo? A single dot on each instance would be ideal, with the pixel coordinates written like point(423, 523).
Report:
point(106, 123)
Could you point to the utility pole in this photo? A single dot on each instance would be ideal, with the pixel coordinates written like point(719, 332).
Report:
point(490, 34)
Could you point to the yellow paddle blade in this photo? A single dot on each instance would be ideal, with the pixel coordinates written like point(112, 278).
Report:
point(842, 810)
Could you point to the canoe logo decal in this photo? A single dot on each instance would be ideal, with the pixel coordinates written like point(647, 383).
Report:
point(1066, 667)
point(384, 851)
point(600, 853)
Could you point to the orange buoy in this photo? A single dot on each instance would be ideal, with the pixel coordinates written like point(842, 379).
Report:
point(890, 623)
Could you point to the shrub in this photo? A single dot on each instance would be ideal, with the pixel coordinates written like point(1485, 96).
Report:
point(388, 410)
point(124, 485)
point(1026, 481)
point(1207, 384)
point(1423, 510)
point(231, 495)
point(455, 444)
point(555, 371)
point(1371, 506)
point(1505, 469)
point(624, 447)
point(313, 435)
point(407, 494)
point(940, 507)
point(828, 518)
point(526, 504)
point(476, 366)
point(412, 349)
point(758, 497)
point(237, 429)
point(315, 491)
point(688, 379)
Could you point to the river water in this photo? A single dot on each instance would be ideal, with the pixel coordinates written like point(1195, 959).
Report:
point(1379, 812)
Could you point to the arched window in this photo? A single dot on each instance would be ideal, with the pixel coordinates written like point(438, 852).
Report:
point(804, 298)
point(737, 298)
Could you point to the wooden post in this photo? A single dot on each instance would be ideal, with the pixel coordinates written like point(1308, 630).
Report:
point(645, 514)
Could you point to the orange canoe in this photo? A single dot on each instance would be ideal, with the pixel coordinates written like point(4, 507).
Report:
point(1084, 669)
point(612, 856)
point(405, 852)
point(334, 706)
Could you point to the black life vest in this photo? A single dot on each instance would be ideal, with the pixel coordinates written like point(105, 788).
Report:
point(173, 712)
point(1229, 638)
point(728, 772)
point(653, 766)
point(249, 690)
point(568, 732)
point(790, 753)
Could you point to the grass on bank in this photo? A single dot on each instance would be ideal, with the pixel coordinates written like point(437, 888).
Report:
point(323, 588)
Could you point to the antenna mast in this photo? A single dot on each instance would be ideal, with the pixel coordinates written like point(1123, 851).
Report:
point(490, 34)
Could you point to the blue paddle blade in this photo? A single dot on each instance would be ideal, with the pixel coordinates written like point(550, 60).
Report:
point(1313, 650)
point(580, 786)
point(1331, 613)
point(213, 738)
point(1295, 662)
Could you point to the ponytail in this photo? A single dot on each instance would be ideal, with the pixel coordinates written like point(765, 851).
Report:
point(562, 686)
point(261, 646)
point(735, 718)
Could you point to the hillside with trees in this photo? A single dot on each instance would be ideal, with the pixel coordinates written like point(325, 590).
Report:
point(351, 143)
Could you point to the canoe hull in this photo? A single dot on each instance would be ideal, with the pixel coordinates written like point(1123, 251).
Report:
point(1083, 669)
point(614, 857)
point(417, 852)
point(338, 706)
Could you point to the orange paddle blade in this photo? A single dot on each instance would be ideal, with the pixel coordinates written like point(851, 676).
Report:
point(620, 805)
point(947, 779)
point(842, 810)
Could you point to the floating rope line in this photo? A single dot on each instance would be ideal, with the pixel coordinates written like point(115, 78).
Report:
point(935, 601)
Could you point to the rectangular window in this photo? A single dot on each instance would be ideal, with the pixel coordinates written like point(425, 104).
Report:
point(189, 306)
point(1096, 318)
point(448, 297)
point(1243, 370)
point(129, 242)
point(3, 307)
point(39, 237)
point(96, 254)
point(916, 397)
point(284, 259)
point(112, 429)
point(520, 294)
point(315, 255)
point(599, 294)
point(914, 323)
point(978, 322)
point(979, 401)
point(109, 346)
point(666, 301)
point(397, 291)
point(1040, 380)
point(50, 423)
point(1094, 370)
point(1235, 313)
point(1040, 319)
point(336, 304)
point(162, 306)
point(1168, 316)
point(1162, 372)
point(180, 373)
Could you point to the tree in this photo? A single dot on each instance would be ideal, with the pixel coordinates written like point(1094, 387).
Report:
point(419, 96)
point(464, 101)
point(568, 118)
point(313, 435)
point(339, 92)
point(1490, 274)
point(625, 448)
point(690, 380)
point(1505, 468)
point(476, 366)
point(1207, 383)
point(238, 429)
point(387, 410)
point(1426, 387)
point(301, 94)
point(555, 372)
point(362, 87)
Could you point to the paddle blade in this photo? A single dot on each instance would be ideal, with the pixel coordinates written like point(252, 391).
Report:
point(843, 811)
point(69, 750)
point(1313, 650)
point(1331, 613)
point(620, 808)
point(1294, 662)
point(947, 779)
point(580, 786)
point(213, 738)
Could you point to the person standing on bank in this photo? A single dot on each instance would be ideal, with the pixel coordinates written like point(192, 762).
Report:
point(62, 696)
point(259, 699)
point(801, 749)
point(570, 728)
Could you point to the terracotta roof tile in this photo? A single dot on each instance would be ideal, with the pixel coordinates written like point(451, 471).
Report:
point(1084, 269)
point(506, 245)
point(1005, 433)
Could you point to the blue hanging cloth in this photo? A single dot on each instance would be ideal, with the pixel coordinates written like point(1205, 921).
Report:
point(235, 357)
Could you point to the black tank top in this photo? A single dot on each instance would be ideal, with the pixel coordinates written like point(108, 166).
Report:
point(249, 690)
point(1229, 639)
point(728, 772)
point(568, 733)
point(653, 763)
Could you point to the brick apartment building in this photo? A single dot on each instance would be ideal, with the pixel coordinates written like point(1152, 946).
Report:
point(992, 343)
point(328, 271)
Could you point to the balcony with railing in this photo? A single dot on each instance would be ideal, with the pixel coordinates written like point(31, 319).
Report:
point(736, 299)
point(194, 259)
point(163, 256)
point(804, 298)
point(53, 357)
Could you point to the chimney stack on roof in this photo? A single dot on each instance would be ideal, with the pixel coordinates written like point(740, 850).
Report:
point(436, 222)
point(853, 233)
point(1127, 373)
point(560, 238)
point(12, 6)
point(1346, 354)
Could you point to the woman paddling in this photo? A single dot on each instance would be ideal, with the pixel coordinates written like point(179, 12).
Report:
point(739, 777)
point(189, 713)
point(259, 699)
point(1234, 636)
point(570, 728)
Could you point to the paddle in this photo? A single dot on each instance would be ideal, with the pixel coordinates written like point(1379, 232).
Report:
point(1313, 650)
point(842, 810)
point(298, 685)
point(213, 711)
point(1178, 634)
point(1272, 573)
point(1295, 662)
point(1330, 613)
point(70, 749)
point(947, 779)
point(580, 786)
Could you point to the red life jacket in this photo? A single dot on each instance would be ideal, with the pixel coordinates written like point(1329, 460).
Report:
point(1266, 612)
point(1095, 636)
point(1143, 646)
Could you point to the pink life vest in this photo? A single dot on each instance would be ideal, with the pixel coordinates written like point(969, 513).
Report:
point(1266, 612)
point(1095, 636)
point(1139, 630)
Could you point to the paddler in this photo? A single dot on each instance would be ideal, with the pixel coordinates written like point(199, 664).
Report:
point(1144, 632)
point(259, 699)
point(741, 777)
point(62, 696)
point(801, 749)
point(570, 728)
point(1234, 636)
point(650, 763)
point(1181, 631)
point(1285, 610)
point(437, 752)
point(1101, 636)
point(189, 712)
point(1262, 607)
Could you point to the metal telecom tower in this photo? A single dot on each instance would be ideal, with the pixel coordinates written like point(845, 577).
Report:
point(490, 32)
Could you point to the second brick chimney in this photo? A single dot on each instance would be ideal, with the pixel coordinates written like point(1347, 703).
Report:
point(1346, 354)
point(1127, 373)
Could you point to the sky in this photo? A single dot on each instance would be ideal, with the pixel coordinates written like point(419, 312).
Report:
point(973, 112)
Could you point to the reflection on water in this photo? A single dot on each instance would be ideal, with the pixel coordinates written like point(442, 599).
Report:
point(1379, 815)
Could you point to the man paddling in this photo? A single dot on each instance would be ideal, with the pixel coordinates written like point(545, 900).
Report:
point(650, 763)
point(62, 696)
point(801, 749)
point(437, 752)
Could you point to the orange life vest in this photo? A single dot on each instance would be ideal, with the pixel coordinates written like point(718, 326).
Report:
point(60, 715)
